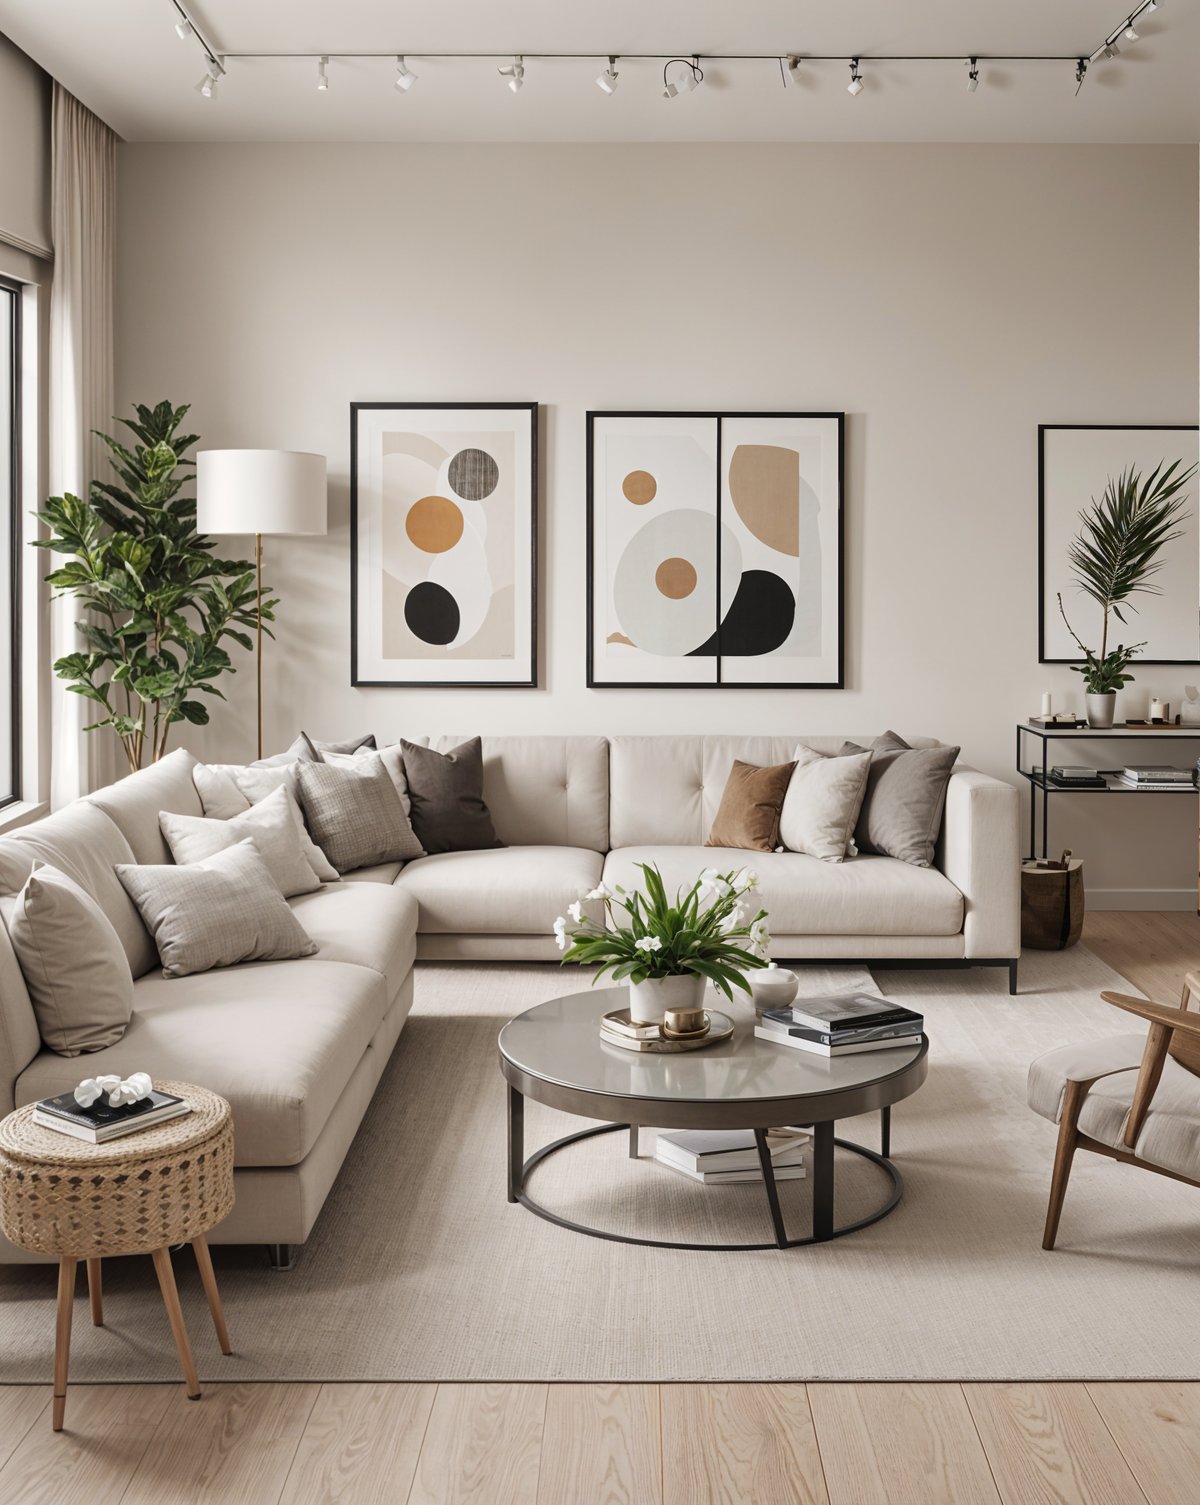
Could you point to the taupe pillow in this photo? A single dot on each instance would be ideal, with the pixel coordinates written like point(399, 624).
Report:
point(226, 789)
point(750, 807)
point(271, 823)
point(906, 794)
point(74, 965)
point(822, 804)
point(344, 749)
point(449, 813)
point(354, 813)
point(215, 913)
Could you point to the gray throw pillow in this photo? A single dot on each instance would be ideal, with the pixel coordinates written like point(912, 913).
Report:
point(906, 793)
point(74, 965)
point(215, 913)
point(274, 827)
point(345, 749)
point(446, 794)
point(354, 813)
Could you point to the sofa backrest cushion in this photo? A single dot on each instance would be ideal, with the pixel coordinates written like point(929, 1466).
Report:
point(545, 790)
point(19, 1037)
point(134, 804)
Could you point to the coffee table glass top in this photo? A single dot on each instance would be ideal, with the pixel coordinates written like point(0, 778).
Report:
point(559, 1042)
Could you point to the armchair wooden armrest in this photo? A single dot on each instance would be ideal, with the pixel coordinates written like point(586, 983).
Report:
point(1164, 1023)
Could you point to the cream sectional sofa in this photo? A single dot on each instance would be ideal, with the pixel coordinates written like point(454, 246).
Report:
point(298, 1047)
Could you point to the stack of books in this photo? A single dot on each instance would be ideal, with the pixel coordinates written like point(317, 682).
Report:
point(717, 1156)
point(1070, 776)
point(100, 1123)
point(842, 1025)
point(1155, 776)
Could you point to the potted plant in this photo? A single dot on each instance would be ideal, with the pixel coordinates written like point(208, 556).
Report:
point(668, 949)
point(1113, 557)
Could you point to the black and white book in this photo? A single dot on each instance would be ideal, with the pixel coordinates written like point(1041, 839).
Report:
point(781, 1022)
point(713, 1150)
point(802, 1040)
point(100, 1123)
point(851, 1011)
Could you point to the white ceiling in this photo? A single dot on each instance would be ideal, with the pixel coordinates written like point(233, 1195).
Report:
point(123, 59)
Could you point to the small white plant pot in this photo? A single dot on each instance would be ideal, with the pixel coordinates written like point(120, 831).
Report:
point(772, 987)
point(650, 1000)
point(1101, 708)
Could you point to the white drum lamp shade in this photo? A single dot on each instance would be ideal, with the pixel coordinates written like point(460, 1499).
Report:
point(260, 491)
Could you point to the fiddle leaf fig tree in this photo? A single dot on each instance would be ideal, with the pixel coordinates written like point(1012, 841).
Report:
point(159, 606)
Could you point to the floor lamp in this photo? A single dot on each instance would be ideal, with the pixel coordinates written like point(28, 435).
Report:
point(260, 491)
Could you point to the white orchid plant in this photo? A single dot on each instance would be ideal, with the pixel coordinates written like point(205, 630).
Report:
point(710, 930)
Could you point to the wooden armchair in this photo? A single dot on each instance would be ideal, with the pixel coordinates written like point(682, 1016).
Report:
point(1100, 1105)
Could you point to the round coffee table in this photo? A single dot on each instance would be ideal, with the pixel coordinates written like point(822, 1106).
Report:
point(553, 1054)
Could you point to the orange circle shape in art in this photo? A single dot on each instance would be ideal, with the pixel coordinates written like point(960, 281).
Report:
point(639, 487)
point(675, 579)
point(434, 524)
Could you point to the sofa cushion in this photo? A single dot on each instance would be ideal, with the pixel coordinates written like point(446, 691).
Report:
point(371, 924)
point(821, 805)
point(378, 872)
point(445, 790)
point(273, 824)
point(748, 815)
point(229, 789)
point(355, 814)
point(279, 1040)
point(508, 890)
point(906, 793)
point(805, 896)
point(135, 802)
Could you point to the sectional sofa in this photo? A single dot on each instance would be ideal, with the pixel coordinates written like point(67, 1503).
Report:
point(298, 1047)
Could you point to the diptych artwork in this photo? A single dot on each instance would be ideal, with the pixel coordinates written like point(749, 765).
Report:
point(715, 549)
point(443, 525)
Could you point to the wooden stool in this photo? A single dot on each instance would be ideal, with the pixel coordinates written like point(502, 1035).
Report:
point(168, 1184)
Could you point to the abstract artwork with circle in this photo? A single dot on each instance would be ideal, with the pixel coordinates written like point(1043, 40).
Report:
point(443, 528)
point(715, 549)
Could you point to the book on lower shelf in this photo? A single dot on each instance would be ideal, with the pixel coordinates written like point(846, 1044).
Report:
point(724, 1156)
point(1147, 776)
point(100, 1123)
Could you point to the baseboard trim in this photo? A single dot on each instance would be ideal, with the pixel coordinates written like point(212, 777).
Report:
point(1182, 899)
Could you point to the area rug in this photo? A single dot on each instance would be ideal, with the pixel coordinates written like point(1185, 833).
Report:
point(419, 1269)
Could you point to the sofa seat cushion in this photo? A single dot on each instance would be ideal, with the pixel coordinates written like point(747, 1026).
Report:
point(503, 890)
point(370, 924)
point(805, 896)
point(279, 1040)
point(379, 872)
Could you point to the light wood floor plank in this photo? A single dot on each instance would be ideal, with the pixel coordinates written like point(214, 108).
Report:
point(1152, 949)
point(234, 1446)
point(360, 1445)
point(1156, 1424)
point(602, 1445)
point(20, 1406)
point(1048, 1445)
point(108, 1429)
point(739, 1445)
point(896, 1444)
point(482, 1445)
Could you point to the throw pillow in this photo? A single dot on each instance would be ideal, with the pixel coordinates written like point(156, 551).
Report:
point(226, 789)
point(74, 965)
point(906, 794)
point(822, 804)
point(271, 823)
point(355, 814)
point(345, 749)
point(301, 751)
point(216, 913)
point(748, 816)
point(449, 813)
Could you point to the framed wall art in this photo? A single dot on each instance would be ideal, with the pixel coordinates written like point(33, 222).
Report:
point(1075, 463)
point(715, 550)
point(443, 543)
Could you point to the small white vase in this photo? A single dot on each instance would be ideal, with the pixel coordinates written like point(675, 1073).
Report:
point(650, 1000)
point(1100, 708)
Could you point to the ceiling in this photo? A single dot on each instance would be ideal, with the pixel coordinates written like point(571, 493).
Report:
point(123, 59)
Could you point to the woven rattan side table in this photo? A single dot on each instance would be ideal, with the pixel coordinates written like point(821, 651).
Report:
point(165, 1185)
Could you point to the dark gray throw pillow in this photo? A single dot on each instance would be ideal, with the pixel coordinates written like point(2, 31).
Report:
point(906, 792)
point(446, 790)
point(354, 814)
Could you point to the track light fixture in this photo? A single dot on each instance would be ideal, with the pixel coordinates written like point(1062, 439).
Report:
point(322, 74)
point(1111, 49)
point(183, 29)
point(973, 75)
point(405, 77)
point(608, 79)
point(790, 68)
point(208, 86)
point(855, 86)
point(683, 82)
point(1081, 68)
point(514, 72)
point(1131, 34)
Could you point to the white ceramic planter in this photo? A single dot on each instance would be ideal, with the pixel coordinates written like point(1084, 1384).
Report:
point(1101, 708)
point(650, 1000)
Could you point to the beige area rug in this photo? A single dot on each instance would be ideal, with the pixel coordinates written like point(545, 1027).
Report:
point(419, 1269)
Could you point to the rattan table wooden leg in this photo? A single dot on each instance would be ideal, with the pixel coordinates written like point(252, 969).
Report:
point(170, 1295)
point(62, 1336)
point(208, 1278)
point(95, 1292)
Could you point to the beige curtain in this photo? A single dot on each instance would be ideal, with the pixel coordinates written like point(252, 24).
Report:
point(83, 174)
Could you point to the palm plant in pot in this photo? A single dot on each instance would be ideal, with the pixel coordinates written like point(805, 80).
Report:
point(1115, 556)
point(668, 949)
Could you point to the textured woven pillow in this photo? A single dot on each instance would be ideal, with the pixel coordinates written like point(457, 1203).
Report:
point(74, 965)
point(215, 913)
point(354, 813)
point(906, 794)
point(449, 813)
point(226, 789)
point(822, 803)
point(748, 816)
point(271, 823)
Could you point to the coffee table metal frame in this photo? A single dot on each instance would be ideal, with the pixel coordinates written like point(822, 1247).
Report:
point(820, 1110)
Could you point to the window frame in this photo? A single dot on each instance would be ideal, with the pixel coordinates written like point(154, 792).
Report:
point(14, 417)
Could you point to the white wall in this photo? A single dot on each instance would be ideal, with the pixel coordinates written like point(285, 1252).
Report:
point(947, 298)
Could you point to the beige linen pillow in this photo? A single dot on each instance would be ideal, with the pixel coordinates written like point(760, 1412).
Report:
point(355, 814)
point(74, 965)
point(226, 789)
point(271, 823)
point(748, 816)
point(822, 803)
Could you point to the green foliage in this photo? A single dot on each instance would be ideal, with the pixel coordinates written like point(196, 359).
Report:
point(707, 931)
point(1100, 675)
point(159, 606)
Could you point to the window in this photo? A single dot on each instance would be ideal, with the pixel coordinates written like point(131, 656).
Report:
point(10, 532)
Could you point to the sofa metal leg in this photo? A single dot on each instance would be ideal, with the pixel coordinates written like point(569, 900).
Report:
point(1012, 974)
point(282, 1256)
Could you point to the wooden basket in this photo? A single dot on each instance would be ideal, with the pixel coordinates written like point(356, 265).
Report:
point(1052, 904)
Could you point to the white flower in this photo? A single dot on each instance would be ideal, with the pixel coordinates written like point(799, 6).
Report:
point(712, 885)
point(560, 932)
point(732, 920)
point(601, 891)
point(648, 943)
point(746, 881)
point(575, 911)
point(760, 938)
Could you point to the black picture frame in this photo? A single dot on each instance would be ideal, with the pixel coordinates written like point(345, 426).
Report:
point(718, 415)
point(1043, 430)
point(532, 408)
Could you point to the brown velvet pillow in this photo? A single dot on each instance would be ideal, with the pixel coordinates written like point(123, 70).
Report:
point(449, 813)
point(750, 806)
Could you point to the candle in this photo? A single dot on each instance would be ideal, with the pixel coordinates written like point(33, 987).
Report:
point(1046, 703)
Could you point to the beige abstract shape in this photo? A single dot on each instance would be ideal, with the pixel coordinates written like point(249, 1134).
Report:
point(764, 483)
point(619, 637)
point(639, 487)
point(675, 579)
